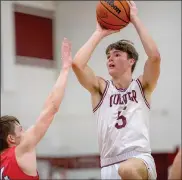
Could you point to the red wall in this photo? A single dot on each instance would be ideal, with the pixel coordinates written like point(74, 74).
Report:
point(33, 36)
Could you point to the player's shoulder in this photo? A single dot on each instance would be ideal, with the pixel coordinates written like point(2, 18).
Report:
point(103, 83)
point(8, 151)
point(144, 85)
point(7, 154)
point(140, 80)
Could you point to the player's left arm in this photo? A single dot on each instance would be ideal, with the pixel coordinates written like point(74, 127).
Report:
point(152, 65)
point(51, 106)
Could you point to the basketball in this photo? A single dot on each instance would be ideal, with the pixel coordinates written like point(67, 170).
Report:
point(113, 14)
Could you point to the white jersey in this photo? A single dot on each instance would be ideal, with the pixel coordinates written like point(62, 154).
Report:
point(123, 123)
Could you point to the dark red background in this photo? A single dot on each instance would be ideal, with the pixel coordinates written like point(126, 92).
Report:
point(162, 160)
point(33, 36)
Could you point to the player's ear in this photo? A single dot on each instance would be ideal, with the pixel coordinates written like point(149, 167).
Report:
point(131, 61)
point(10, 139)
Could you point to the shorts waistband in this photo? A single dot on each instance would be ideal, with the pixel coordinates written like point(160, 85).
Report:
point(113, 160)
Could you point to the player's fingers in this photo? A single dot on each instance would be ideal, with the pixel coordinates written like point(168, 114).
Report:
point(70, 45)
point(132, 3)
point(129, 3)
point(70, 54)
point(67, 43)
point(67, 47)
point(65, 40)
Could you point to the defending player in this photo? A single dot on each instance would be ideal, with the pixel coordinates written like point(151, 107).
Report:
point(18, 157)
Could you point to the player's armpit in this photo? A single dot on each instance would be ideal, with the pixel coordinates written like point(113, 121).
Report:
point(87, 78)
point(151, 73)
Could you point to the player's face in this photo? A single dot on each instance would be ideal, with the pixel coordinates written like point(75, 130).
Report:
point(18, 133)
point(117, 62)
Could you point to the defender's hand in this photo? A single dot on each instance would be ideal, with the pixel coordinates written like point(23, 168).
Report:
point(66, 53)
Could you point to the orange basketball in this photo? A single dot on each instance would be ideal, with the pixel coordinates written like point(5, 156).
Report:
point(113, 14)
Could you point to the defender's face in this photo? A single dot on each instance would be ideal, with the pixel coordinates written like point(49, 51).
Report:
point(18, 131)
point(117, 62)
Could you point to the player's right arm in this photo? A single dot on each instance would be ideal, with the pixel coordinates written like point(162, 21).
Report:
point(51, 106)
point(84, 73)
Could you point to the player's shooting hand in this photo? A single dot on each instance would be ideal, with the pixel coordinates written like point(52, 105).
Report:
point(104, 32)
point(66, 53)
point(133, 10)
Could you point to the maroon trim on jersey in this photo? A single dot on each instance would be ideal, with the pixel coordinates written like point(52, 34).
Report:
point(120, 89)
point(142, 92)
point(103, 96)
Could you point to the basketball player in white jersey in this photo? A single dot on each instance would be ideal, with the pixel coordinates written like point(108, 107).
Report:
point(122, 105)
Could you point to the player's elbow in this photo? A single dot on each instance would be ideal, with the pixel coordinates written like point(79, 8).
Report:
point(155, 57)
point(76, 65)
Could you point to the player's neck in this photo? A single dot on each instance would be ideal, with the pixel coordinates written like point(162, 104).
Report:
point(122, 81)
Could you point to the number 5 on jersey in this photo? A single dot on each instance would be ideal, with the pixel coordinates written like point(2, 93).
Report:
point(121, 119)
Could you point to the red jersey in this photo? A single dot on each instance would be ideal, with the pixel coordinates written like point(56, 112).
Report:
point(10, 168)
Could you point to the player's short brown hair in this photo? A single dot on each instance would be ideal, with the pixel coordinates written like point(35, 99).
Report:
point(7, 126)
point(125, 46)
